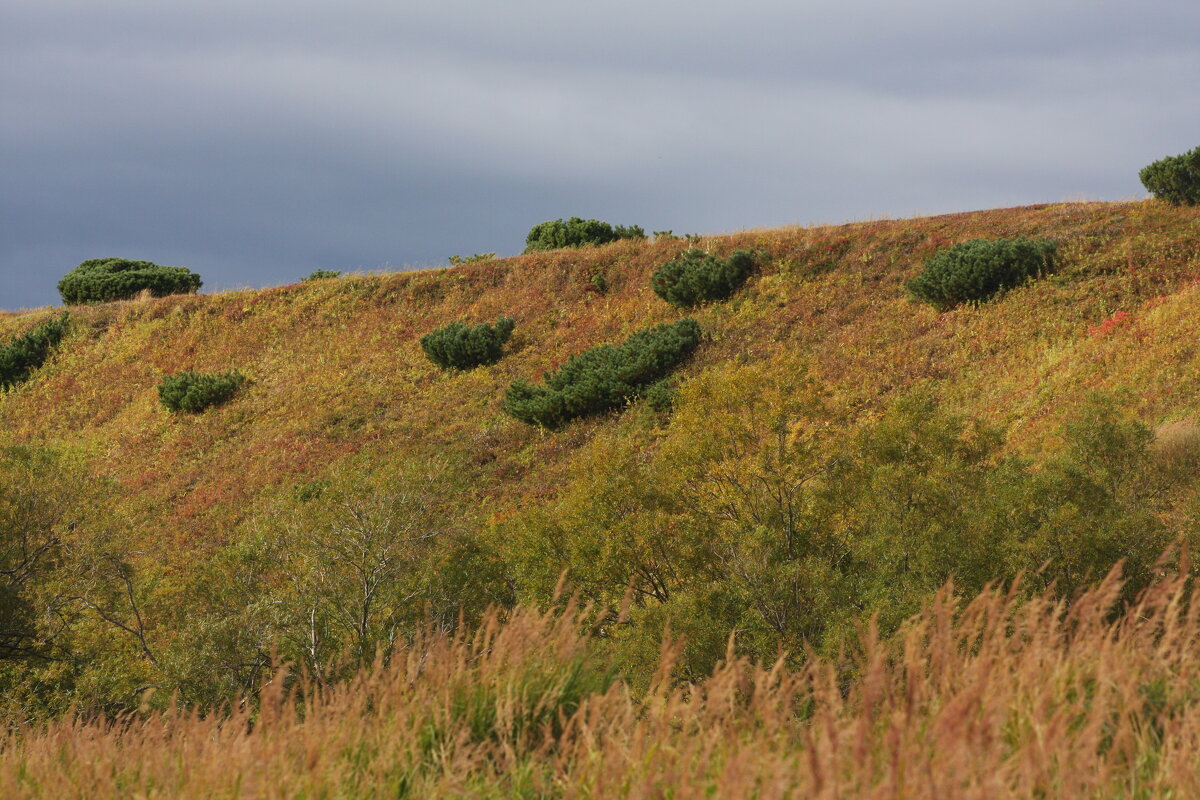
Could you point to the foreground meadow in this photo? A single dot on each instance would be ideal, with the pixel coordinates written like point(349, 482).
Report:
point(999, 696)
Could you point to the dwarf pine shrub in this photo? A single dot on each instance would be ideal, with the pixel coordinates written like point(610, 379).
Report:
point(1175, 179)
point(23, 354)
point(575, 232)
point(698, 277)
point(457, 261)
point(977, 270)
point(102, 279)
point(195, 391)
point(603, 377)
point(322, 275)
point(660, 396)
point(459, 346)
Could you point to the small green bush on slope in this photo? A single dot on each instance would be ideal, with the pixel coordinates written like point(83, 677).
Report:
point(698, 277)
point(322, 274)
point(979, 269)
point(576, 232)
point(23, 354)
point(99, 280)
point(195, 391)
point(603, 377)
point(1175, 179)
point(459, 346)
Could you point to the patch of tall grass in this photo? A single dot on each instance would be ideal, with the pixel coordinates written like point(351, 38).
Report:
point(1001, 695)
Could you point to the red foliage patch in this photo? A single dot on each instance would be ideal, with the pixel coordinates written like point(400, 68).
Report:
point(1121, 319)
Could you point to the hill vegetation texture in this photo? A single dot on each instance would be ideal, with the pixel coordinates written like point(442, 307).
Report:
point(834, 452)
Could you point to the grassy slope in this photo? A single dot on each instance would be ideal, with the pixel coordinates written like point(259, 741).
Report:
point(336, 367)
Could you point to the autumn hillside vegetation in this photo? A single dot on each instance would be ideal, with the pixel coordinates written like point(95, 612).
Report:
point(755, 474)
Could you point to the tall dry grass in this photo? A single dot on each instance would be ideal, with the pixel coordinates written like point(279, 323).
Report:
point(997, 697)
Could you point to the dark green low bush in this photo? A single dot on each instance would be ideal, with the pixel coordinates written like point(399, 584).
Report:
point(698, 277)
point(195, 391)
point(977, 270)
point(604, 377)
point(458, 261)
point(23, 354)
point(660, 396)
point(459, 346)
point(100, 280)
point(322, 275)
point(1175, 179)
point(575, 232)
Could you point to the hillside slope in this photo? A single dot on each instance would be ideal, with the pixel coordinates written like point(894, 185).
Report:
point(336, 367)
point(196, 552)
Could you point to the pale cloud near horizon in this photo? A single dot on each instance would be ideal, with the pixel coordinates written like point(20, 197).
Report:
point(255, 142)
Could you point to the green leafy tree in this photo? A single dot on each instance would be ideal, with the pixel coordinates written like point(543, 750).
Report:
point(979, 269)
point(460, 346)
point(355, 565)
point(1175, 179)
point(195, 391)
point(604, 377)
point(698, 277)
point(576, 232)
point(100, 280)
point(25, 353)
point(38, 494)
point(1101, 499)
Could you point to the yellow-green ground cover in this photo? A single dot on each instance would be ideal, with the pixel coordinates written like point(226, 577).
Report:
point(336, 368)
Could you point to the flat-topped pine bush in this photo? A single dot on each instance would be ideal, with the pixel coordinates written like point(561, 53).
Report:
point(604, 377)
point(459, 346)
point(195, 391)
point(979, 269)
point(575, 232)
point(698, 277)
point(100, 280)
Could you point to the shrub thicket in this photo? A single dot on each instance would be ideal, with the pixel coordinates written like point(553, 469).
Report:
point(975, 271)
point(603, 377)
point(195, 391)
point(1175, 179)
point(459, 346)
point(575, 232)
point(322, 274)
point(27, 352)
point(660, 396)
point(102, 279)
point(458, 261)
point(698, 277)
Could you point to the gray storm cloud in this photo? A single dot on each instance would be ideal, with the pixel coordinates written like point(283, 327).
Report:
point(255, 142)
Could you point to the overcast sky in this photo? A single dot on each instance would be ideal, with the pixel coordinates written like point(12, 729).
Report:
point(257, 140)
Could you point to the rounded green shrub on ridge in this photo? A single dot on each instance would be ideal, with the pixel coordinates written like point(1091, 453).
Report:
point(100, 280)
point(603, 377)
point(979, 269)
point(576, 232)
point(1175, 179)
point(698, 277)
point(195, 391)
point(459, 346)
